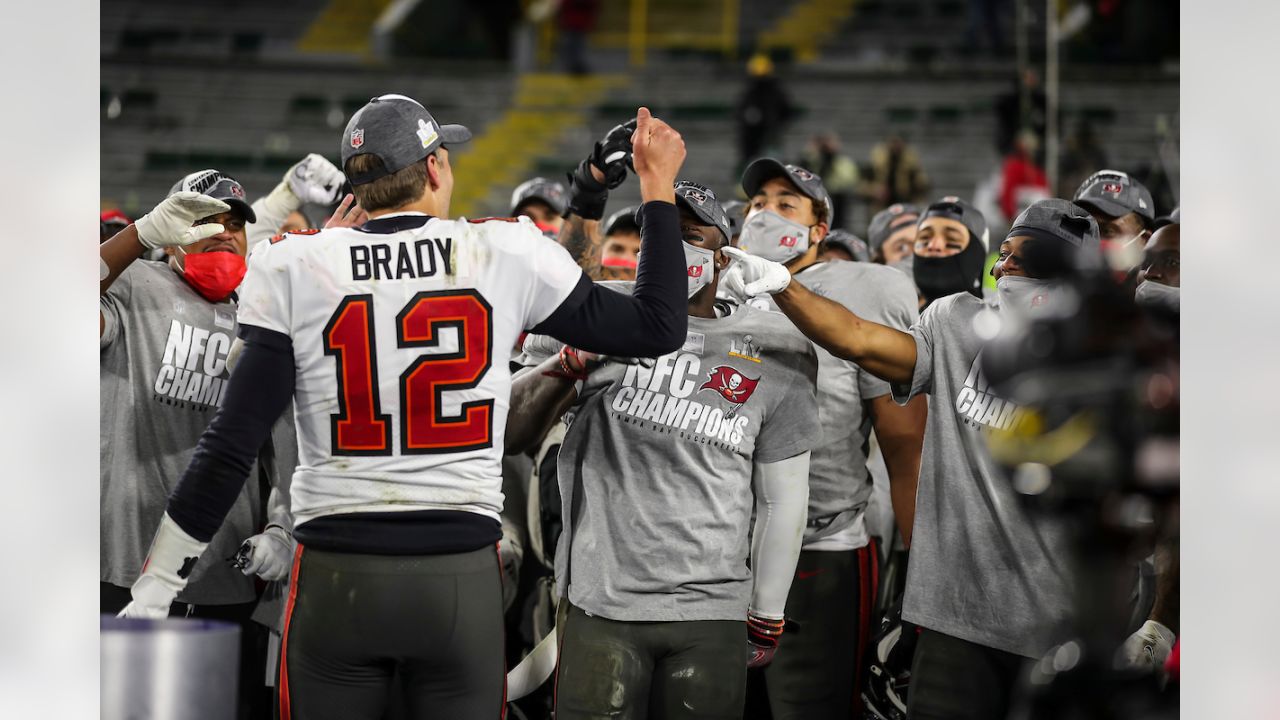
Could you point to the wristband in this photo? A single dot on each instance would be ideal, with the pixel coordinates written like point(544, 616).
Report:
point(579, 373)
point(764, 631)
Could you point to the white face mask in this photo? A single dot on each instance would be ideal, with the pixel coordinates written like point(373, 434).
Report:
point(768, 235)
point(700, 264)
point(1154, 294)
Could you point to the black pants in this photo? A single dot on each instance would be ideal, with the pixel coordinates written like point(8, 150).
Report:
point(353, 621)
point(656, 670)
point(255, 697)
point(954, 679)
point(814, 674)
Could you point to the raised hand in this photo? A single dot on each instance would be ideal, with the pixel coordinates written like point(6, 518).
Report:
point(169, 223)
point(657, 153)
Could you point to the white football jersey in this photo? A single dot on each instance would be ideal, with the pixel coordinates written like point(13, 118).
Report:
point(401, 343)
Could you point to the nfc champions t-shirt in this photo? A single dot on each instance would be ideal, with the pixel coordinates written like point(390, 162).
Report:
point(983, 567)
point(163, 374)
point(655, 469)
point(839, 483)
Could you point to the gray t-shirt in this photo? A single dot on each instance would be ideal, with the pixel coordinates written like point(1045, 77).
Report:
point(162, 375)
point(839, 482)
point(655, 469)
point(983, 568)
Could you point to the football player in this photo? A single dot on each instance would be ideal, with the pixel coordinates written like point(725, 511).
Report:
point(542, 201)
point(391, 339)
point(815, 675)
point(987, 581)
point(656, 474)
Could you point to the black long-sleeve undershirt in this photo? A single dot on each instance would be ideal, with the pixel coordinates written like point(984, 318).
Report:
point(258, 391)
point(654, 320)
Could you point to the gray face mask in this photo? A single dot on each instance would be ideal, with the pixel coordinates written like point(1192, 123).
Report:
point(700, 265)
point(773, 237)
point(905, 265)
point(1154, 294)
point(1023, 297)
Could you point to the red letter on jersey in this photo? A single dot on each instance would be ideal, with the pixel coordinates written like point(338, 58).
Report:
point(358, 428)
point(424, 426)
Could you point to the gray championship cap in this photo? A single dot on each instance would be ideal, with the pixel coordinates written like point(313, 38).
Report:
point(889, 221)
point(1116, 194)
point(622, 221)
point(808, 182)
point(219, 187)
point(399, 131)
point(734, 211)
point(548, 191)
point(1061, 224)
point(700, 201)
point(953, 208)
point(851, 243)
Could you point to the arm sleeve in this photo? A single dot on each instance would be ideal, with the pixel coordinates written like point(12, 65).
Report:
point(782, 502)
point(653, 320)
point(257, 392)
point(792, 425)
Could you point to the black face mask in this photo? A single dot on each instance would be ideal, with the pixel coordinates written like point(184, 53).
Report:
point(938, 277)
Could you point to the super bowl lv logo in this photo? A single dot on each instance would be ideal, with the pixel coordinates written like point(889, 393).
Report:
point(192, 367)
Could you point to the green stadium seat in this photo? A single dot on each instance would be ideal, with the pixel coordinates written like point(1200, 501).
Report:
point(945, 113)
point(897, 115)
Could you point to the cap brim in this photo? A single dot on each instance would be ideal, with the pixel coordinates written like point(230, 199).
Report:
point(454, 134)
point(702, 215)
point(1106, 207)
point(760, 171)
point(245, 208)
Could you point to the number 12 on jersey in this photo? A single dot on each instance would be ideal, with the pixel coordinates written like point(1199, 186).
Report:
point(360, 427)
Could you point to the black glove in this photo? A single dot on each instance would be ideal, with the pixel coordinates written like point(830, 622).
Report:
point(586, 196)
point(612, 155)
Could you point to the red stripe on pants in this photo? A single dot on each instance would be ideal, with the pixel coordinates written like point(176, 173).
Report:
point(868, 590)
point(284, 639)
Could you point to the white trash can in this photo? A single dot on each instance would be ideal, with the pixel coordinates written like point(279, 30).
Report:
point(172, 669)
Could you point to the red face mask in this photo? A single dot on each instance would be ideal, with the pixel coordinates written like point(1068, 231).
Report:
point(215, 275)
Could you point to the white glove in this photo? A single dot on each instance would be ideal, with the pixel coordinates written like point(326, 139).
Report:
point(759, 276)
point(269, 554)
point(169, 223)
point(1148, 648)
point(731, 285)
point(315, 180)
point(173, 555)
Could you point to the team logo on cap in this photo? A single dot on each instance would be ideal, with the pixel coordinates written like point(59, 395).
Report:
point(237, 190)
point(800, 172)
point(1114, 188)
point(357, 137)
point(698, 197)
point(427, 132)
point(730, 384)
point(950, 199)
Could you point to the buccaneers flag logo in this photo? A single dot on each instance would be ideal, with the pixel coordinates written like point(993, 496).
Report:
point(731, 384)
